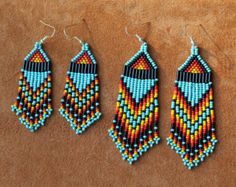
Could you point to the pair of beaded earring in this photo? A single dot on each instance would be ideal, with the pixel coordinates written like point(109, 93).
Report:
point(80, 101)
point(135, 125)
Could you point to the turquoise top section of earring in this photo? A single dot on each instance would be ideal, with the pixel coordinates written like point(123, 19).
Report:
point(86, 53)
point(195, 56)
point(139, 88)
point(39, 52)
point(143, 50)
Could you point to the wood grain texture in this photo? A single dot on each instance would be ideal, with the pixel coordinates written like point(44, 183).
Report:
point(55, 156)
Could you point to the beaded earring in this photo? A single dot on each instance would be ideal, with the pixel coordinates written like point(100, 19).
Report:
point(80, 101)
point(135, 125)
point(33, 103)
point(192, 134)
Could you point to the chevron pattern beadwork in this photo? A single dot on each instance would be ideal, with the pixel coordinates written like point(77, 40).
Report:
point(80, 101)
point(192, 134)
point(135, 125)
point(33, 104)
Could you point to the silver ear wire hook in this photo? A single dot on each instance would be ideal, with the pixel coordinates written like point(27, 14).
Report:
point(75, 37)
point(191, 39)
point(136, 35)
point(47, 36)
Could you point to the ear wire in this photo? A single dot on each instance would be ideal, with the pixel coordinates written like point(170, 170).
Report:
point(73, 37)
point(189, 36)
point(136, 35)
point(47, 36)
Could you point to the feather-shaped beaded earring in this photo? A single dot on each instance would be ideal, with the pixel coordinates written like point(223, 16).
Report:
point(33, 104)
point(135, 125)
point(192, 134)
point(80, 101)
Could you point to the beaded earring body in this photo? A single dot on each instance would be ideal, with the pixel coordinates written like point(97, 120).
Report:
point(80, 101)
point(135, 125)
point(192, 134)
point(33, 104)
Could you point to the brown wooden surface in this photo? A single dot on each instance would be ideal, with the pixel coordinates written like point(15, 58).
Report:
point(54, 155)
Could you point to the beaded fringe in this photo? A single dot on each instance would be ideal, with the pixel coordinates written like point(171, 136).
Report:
point(135, 129)
point(33, 104)
point(80, 101)
point(192, 134)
